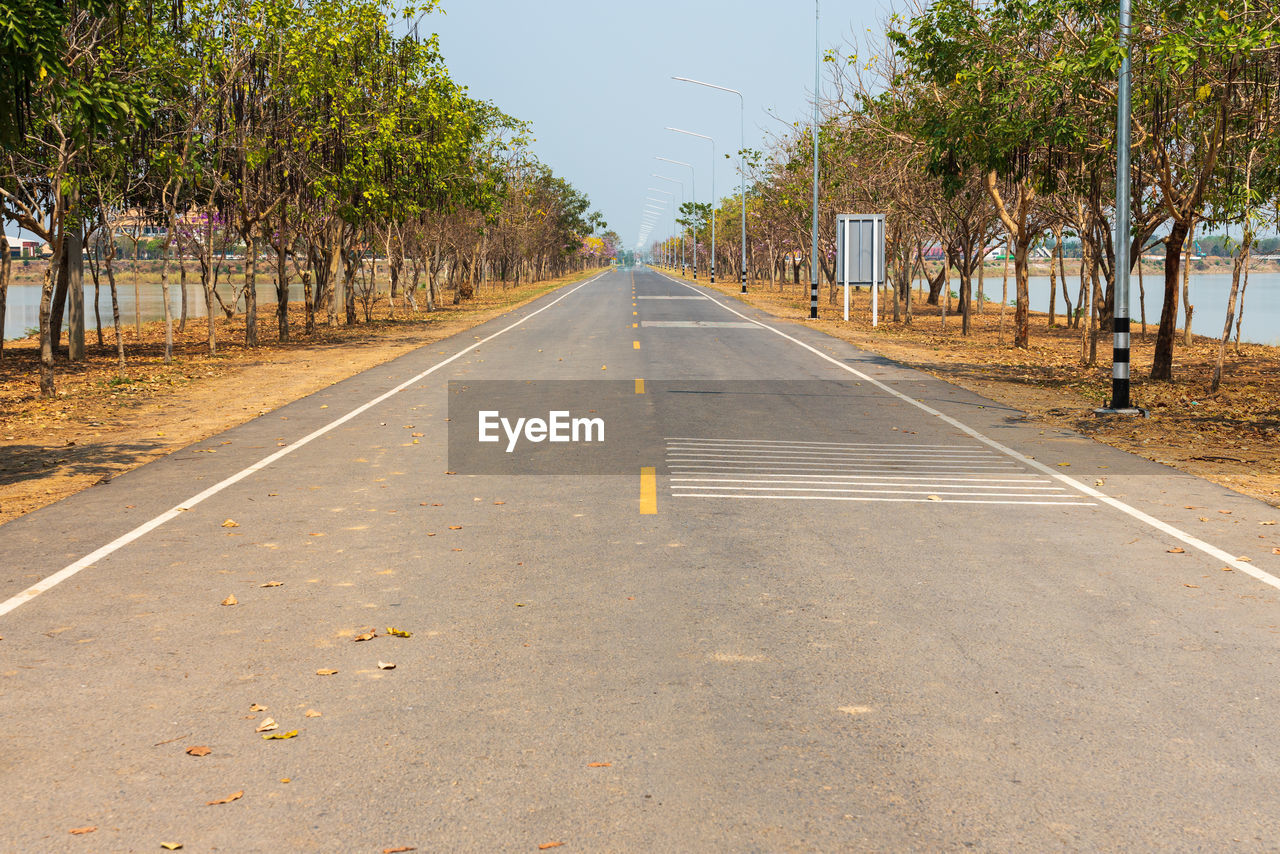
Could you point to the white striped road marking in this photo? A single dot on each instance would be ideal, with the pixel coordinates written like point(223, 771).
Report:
point(172, 513)
point(671, 297)
point(890, 500)
point(699, 324)
point(1146, 518)
point(823, 472)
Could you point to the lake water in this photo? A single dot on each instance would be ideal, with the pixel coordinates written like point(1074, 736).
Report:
point(23, 311)
point(1209, 293)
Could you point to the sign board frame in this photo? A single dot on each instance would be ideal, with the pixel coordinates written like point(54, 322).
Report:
point(860, 256)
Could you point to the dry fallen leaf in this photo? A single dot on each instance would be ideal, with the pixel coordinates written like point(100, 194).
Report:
point(599, 764)
point(272, 584)
point(366, 636)
point(198, 750)
point(1176, 551)
point(267, 725)
point(231, 523)
point(934, 498)
point(311, 713)
point(1191, 585)
point(544, 846)
point(325, 672)
point(399, 850)
point(1245, 559)
point(1272, 522)
point(256, 708)
point(499, 502)
point(1225, 512)
point(77, 831)
point(171, 846)
point(400, 633)
point(455, 527)
point(290, 734)
point(1275, 551)
point(386, 665)
point(1063, 465)
point(228, 799)
point(231, 600)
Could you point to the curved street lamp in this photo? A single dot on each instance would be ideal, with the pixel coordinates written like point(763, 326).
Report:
point(713, 193)
point(742, 166)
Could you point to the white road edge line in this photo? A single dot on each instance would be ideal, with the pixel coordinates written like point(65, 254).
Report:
point(1164, 527)
point(146, 527)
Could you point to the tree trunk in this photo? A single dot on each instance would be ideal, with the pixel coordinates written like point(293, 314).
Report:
point(6, 267)
point(1053, 279)
point(73, 251)
point(46, 331)
point(1162, 363)
point(1022, 313)
point(282, 276)
point(1062, 274)
point(1241, 263)
point(250, 289)
point(1187, 308)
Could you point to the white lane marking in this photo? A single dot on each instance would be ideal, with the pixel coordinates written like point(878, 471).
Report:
point(798, 443)
point(696, 483)
point(765, 456)
point(852, 467)
point(860, 491)
point(900, 479)
point(1161, 526)
point(172, 513)
point(890, 500)
point(699, 324)
point(672, 297)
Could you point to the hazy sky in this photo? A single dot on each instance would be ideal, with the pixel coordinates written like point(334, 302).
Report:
point(593, 77)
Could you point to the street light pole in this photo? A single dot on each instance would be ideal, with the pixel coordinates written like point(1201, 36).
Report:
point(681, 183)
point(713, 193)
point(1120, 402)
point(742, 166)
point(693, 177)
point(673, 221)
point(817, 64)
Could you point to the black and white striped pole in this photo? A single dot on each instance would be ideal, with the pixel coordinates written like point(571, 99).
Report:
point(817, 65)
point(1120, 401)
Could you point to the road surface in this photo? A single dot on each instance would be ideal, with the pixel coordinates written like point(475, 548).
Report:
point(824, 603)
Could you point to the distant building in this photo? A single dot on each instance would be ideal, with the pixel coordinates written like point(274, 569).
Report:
point(21, 247)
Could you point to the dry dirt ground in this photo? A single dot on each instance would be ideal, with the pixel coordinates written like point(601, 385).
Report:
point(1231, 438)
point(101, 423)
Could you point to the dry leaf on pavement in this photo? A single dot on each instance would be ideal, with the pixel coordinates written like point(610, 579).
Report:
point(171, 846)
point(198, 750)
point(325, 672)
point(231, 600)
point(267, 725)
point(311, 713)
point(1176, 551)
point(228, 799)
point(257, 708)
point(544, 846)
point(290, 734)
point(272, 584)
point(77, 831)
point(399, 850)
point(231, 523)
point(400, 633)
point(455, 527)
point(366, 636)
point(386, 665)
point(599, 764)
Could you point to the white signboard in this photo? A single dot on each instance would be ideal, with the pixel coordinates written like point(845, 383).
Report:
point(860, 256)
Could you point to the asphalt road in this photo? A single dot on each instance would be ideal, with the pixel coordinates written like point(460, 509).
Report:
point(853, 608)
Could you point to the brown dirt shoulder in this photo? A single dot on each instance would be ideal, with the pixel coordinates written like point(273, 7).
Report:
point(101, 424)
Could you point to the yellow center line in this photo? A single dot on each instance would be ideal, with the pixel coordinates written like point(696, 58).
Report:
point(635, 345)
point(648, 491)
point(639, 386)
